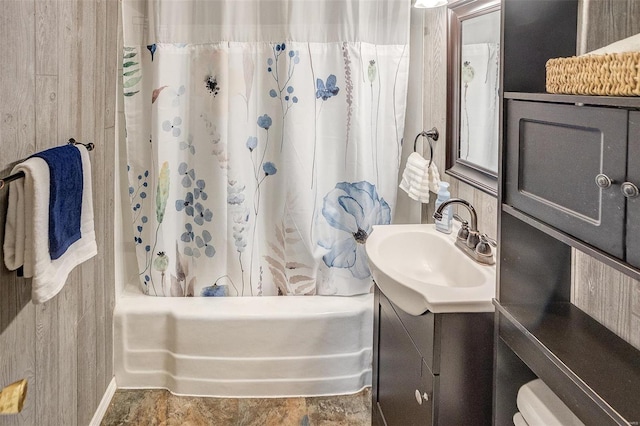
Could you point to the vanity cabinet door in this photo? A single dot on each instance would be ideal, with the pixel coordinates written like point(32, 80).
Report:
point(554, 152)
point(633, 179)
point(403, 379)
point(422, 331)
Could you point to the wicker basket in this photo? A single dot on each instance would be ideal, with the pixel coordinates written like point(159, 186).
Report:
point(615, 74)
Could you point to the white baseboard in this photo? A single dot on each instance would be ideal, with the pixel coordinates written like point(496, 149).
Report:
point(104, 403)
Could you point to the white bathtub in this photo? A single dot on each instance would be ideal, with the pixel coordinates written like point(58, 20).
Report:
point(244, 347)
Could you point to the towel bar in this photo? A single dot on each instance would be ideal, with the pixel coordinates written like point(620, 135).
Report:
point(430, 135)
point(20, 175)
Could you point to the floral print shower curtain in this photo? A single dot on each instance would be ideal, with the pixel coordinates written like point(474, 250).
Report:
point(263, 143)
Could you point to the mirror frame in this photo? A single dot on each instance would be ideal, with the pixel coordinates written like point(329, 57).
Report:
point(474, 175)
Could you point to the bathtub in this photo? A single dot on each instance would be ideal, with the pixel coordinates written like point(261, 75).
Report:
point(244, 347)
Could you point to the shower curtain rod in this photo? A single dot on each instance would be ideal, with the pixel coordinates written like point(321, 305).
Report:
point(20, 175)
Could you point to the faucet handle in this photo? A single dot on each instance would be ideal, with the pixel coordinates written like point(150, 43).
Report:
point(484, 238)
point(484, 246)
point(463, 233)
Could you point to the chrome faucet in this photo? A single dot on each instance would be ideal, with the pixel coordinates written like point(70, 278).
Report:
point(474, 216)
point(469, 240)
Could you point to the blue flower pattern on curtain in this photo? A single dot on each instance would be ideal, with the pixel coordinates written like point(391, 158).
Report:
point(353, 209)
point(253, 180)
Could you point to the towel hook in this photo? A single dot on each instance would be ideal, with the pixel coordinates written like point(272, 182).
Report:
point(432, 134)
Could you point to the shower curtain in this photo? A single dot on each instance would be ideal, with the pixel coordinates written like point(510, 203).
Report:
point(479, 79)
point(263, 141)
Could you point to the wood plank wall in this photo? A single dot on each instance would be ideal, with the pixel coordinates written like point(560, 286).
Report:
point(603, 293)
point(603, 22)
point(58, 80)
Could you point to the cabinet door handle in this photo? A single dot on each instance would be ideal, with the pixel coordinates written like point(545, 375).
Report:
point(603, 181)
point(420, 397)
point(629, 190)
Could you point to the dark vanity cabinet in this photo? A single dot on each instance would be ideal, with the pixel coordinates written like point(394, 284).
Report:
point(570, 166)
point(432, 369)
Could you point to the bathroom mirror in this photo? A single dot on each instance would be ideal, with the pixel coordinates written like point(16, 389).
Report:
point(473, 65)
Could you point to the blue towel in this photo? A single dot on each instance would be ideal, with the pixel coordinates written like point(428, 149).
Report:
point(65, 197)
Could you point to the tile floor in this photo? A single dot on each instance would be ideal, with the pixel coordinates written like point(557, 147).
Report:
point(161, 408)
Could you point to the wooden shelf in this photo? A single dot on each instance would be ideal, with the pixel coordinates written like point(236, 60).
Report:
point(595, 372)
point(610, 101)
point(597, 254)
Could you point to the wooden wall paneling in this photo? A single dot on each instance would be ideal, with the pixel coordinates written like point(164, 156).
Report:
point(69, 95)
point(112, 56)
point(85, 66)
point(105, 316)
point(631, 15)
point(125, 247)
point(89, 64)
point(106, 73)
point(487, 209)
point(46, 37)
point(581, 40)
point(466, 192)
point(17, 315)
point(46, 119)
point(609, 21)
point(55, 86)
point(112, 60)
point(107, 28)
point(97, 267)
point(91, 342)
point(605, 294)
point(635, 315)
point(434, 94)
point(100, 269)
point(17, 349)
point(435, 66)
point(66, 303)
point(47, 334)
point(87, 386)
point(47, 372)
point(17, 82)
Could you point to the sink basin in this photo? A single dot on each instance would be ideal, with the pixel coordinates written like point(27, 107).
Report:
point(419, 269)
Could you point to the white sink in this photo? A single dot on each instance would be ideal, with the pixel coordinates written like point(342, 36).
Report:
point(419, 269)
